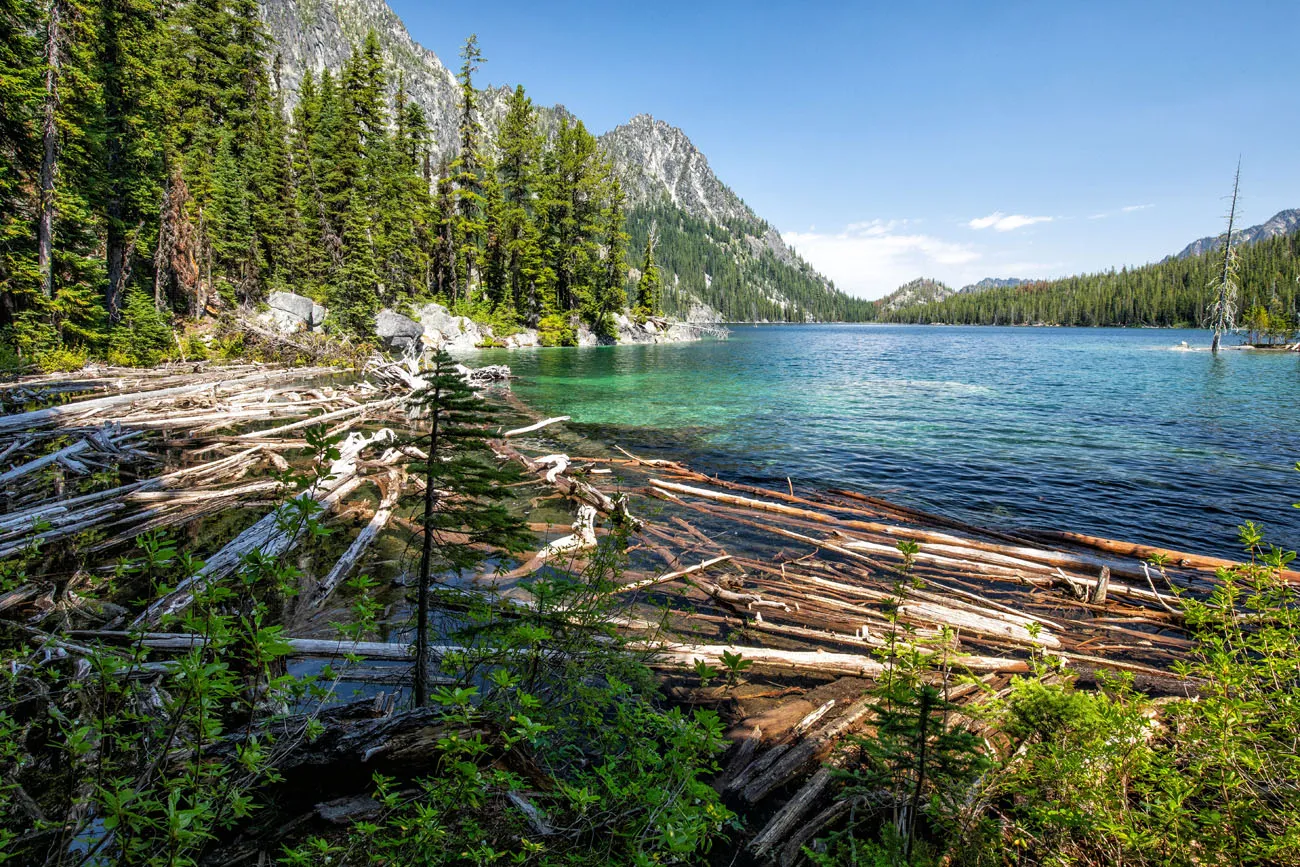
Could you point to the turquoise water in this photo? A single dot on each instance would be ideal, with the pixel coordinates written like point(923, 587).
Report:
point(1105, 431)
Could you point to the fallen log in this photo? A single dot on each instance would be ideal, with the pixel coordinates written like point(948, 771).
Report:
point(808, 750)
point(671, 576)
point(787, 818)
point(582, 538)
point(392, 492)
point(1199, 562)
point(519, 431)
point(266, 536)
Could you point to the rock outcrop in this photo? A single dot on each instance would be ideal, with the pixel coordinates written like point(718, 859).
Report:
point(288, 313)
point(399, 333)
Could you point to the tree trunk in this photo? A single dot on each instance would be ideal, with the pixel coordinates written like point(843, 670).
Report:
point(49, 159)
point(426, 555)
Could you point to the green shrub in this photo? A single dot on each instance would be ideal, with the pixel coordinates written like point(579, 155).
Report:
point(142, 336)
point(61, 358)
point(556, 330)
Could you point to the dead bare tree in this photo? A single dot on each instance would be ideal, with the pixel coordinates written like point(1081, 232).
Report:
point(1223, 314)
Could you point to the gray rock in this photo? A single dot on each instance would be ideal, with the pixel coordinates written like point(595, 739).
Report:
point(522, 340)
point(456, 334)
point(398, 332)
point(289, 313)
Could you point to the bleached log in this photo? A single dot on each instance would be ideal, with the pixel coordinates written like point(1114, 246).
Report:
point(39, 418)
point(179, 641)
point(815, 662)
point(346, 412)
point(557, 463)
point(266, 536)
point(519, 431)
point(1144, 552)
point(346, 563)
point(671, 576)
point(582, 538)
point(1007, 555)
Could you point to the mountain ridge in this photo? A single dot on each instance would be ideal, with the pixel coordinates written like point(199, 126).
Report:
point(1284, 222)
point(656, 161)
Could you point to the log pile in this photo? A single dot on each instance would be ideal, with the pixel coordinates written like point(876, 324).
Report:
point(801, 585)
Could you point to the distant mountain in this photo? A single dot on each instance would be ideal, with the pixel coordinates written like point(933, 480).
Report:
point(992, 283)
point(658, 164)
point(1283, 223)
point(922, 290)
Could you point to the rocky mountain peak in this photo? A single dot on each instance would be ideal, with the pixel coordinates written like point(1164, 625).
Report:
point(922, 290)
point(1282, 223)
point(656, 160)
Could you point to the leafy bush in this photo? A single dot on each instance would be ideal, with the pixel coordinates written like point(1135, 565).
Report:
point(556, 330)
point(61, 358)
point(142, 336)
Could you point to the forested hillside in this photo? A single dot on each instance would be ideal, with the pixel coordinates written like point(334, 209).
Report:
point(152, 170)
point(724, 265)
point(1175, 292)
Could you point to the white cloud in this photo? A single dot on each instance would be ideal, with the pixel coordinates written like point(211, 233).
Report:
point(1006, 222)
point(871, 259)
point(1128, 209)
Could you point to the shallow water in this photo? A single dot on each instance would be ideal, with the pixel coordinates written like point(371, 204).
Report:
point(1105, 431)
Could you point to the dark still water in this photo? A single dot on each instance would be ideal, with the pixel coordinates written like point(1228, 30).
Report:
point(1106, 431)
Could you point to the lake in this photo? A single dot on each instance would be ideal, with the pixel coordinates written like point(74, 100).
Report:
point(1105, 431)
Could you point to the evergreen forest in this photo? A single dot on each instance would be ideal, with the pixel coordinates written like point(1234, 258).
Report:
point(1172, 293)
point(152, 169)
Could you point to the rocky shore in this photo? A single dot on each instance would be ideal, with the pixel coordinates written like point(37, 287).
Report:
point(433, 326)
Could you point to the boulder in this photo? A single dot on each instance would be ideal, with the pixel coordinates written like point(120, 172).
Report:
point(289, 313)
point(455, 334)
point(399, 333)
point(525, 338)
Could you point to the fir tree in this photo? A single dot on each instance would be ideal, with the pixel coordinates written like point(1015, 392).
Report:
point(648, 288)
point(611, 292)
point(133, 105)
point(520, 146)
point(20, 103)
point(470, 226)
point(69, 228)
point(354, 298)
point(463, 486)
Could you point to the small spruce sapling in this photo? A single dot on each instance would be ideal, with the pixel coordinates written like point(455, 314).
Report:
point(463, 488)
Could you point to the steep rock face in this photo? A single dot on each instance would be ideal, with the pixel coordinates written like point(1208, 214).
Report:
point(922, 290)
point(655, 160)
point(1282, 223)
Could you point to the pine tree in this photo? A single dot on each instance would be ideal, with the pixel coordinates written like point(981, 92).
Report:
point(21, 94)
point(470, 225)
point(316, 242)
point(230, 230)
point(354, 298)
point(610, 296)
point(274, 200)
point(443, 253)
point(72, 272)
point(648, 288)
point(520, 145)
point(133, 103)
point(463, 486)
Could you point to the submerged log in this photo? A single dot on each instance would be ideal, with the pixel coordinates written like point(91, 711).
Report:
point(392, 492)
point(268, 536)
point(532, 427)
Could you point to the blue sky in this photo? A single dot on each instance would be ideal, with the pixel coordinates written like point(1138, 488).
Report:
point(953, 140)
